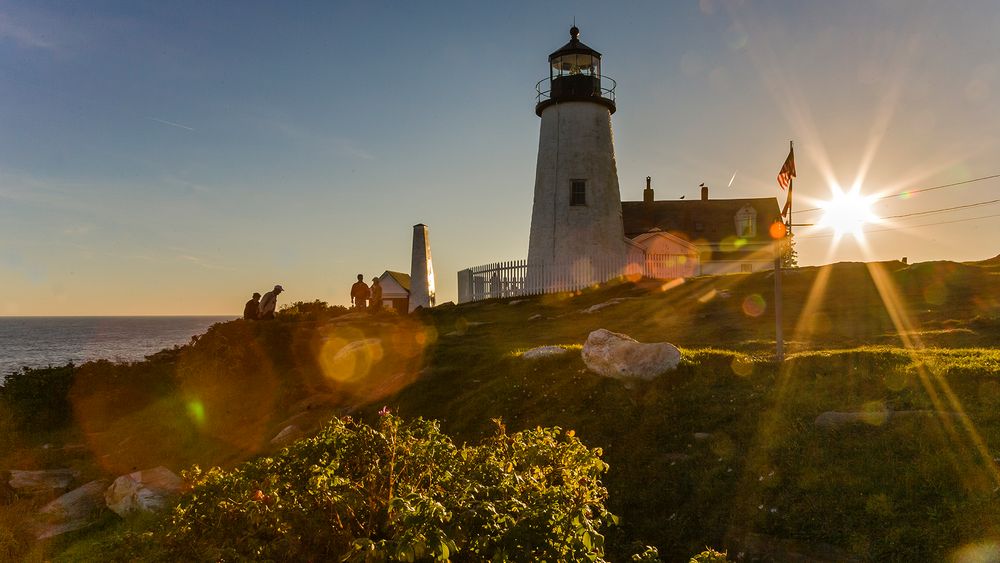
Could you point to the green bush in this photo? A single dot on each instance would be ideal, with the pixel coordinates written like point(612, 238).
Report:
point(38, 399)
point(710, 556)
point(311, 310)
point(399, 491)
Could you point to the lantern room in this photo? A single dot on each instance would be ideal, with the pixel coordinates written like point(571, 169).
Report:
point(575, 75)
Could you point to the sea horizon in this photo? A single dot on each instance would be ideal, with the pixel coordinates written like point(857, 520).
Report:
point(35, 341)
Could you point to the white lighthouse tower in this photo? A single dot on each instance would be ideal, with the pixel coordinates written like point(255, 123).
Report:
point(576, 217)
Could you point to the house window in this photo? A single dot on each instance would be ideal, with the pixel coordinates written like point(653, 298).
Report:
point(746, 268)
point(699, 226)
point(578, 192)
point(746, 222)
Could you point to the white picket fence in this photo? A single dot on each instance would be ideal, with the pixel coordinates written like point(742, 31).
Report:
point(517, 278)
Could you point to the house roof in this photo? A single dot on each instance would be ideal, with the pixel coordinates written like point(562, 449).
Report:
point(399, 277)
point(711, 220)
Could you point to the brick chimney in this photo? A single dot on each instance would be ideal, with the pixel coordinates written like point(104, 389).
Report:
point(704, 192)
point(647, 194)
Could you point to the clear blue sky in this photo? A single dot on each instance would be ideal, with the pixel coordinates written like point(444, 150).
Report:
point(173, 157)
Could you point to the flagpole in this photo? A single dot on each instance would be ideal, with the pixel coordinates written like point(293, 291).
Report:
point(779, 247)
point(791, 182)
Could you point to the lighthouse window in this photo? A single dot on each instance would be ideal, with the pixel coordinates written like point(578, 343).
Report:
point(578, 192)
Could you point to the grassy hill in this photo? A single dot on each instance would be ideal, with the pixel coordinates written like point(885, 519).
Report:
point(725, 451)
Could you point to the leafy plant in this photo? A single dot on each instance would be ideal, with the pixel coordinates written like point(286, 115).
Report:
point(399, 491)
point(39, 398)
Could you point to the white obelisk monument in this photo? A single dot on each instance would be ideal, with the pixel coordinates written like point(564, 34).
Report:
point(576, 217)
point(421, 270)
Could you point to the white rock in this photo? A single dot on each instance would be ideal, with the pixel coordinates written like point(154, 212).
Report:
point(616, 355)
point(145, 491)
point(74, 510)
point(544, 352)
point(289, 434)
point(39, 482)
point(608, 303)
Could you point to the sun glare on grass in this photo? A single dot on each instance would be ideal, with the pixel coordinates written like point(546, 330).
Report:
point(847, 212)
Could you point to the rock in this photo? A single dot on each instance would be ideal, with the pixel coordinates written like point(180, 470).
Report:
point(702, 435)
point(41, 482)
point(544, 352)
point(608, 303)
point(288, 435)
point(616, 355)
point(142, 491)
point(599, 306)
point(535, 317)
point(74, 510)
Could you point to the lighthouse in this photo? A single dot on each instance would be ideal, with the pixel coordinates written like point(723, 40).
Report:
point(576, 216)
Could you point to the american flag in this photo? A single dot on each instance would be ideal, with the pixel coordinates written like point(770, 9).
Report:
point(787, 170)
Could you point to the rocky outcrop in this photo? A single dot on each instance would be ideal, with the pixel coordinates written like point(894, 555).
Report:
point(616, 355)
point(41, 481)
point(544, 352)
point(142, 491)
point(74, 510)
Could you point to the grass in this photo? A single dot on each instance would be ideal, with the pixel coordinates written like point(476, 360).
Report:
point(723, 451)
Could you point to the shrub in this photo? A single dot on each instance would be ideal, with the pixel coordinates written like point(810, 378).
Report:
point(38, 399)
point(710, 556)
point(311, 310)
point(399, 491)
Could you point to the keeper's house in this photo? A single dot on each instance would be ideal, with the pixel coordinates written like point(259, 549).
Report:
point(727, 235)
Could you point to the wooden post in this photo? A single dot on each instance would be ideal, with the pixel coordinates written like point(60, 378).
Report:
point(779, 338)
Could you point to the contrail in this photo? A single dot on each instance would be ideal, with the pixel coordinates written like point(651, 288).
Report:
point(172, 124)
point(731, 179)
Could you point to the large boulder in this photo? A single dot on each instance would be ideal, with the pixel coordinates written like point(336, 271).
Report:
point(74, 510)
point(145, 491)
point(41, 481)
point(616, 355)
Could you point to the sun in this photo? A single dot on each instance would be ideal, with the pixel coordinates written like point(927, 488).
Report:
point(847, 212)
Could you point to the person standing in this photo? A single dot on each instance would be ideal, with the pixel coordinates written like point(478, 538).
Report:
point(376, 295)
point(268, 302)
point(360, 293)
point(252, 308)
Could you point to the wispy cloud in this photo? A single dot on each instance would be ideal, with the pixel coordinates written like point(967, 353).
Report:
point(202, 262)
point(78, 230)
point(348, 148)
point(171, 123)
point(338, 145)
point(22, 35)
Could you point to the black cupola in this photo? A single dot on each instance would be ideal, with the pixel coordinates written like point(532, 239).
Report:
point(575, 75)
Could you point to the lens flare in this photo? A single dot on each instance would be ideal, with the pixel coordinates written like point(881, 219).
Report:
point(196, 409)
point(754, 305)
point(847, 212)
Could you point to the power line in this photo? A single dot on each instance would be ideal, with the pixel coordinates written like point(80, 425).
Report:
point(903, 227)
point(921, 190)
point(942, 210)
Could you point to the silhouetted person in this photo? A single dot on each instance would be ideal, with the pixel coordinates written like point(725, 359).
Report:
point(268, 302)
point(252, 309)
point(360, 293)
point(376, 298)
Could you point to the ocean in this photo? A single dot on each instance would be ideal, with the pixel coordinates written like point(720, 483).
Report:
point(56, 341)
